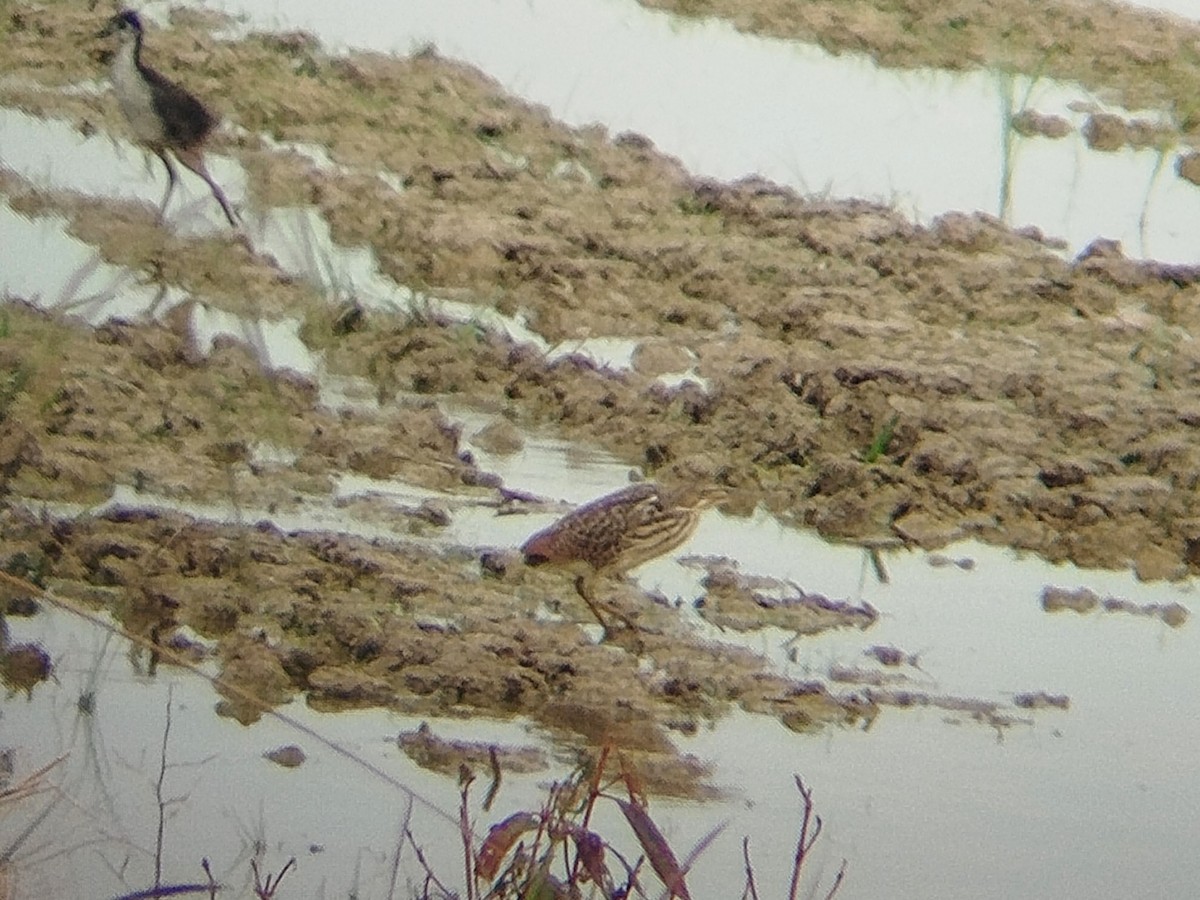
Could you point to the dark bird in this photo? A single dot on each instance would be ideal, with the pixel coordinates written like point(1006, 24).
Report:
point(164, 116)
point(617, 532)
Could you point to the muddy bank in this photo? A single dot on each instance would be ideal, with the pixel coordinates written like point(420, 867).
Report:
point(83, 410)
point(351, 623)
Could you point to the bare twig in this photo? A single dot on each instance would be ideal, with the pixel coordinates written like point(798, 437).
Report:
point(632, 884)
point(880, 567)
point(750, 892)
point(9, 852)
point(837, 881)
point(166, 890)
point(805, 841)
point(429, 876)
point(212, 882)
point(703, 844)
point(158, 791)
point(266, 891)
point(590, 805)
point(494, 787)
point(31, 784)
point(465, 778)
point(395, 873)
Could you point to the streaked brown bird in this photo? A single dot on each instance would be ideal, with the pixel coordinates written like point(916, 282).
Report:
point(165, 117)
point(617, 532)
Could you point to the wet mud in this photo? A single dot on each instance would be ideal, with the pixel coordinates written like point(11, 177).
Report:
point(866, 377)
point(349, 622)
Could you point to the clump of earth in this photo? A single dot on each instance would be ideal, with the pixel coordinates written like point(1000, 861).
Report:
point(863, 376)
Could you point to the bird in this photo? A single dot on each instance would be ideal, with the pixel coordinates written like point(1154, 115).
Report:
point(165, 117)
point(618, 532)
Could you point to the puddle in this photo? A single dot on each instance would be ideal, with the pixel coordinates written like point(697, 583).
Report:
point(712, 97)
point(223, 797)
point(300, 242)
point(79, 282)
point(319, 156)
point(347, 392)
point(545, 466)
point(276, 345)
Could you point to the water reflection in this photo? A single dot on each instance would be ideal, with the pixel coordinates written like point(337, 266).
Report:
point(53, 156)
point(297, 240)
point(78, 282)
point(132, 746)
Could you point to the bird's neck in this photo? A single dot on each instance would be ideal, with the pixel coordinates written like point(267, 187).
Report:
point(127, 61)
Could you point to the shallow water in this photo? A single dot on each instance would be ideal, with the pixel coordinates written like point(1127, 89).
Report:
point(79, 282)
point(1099, 800)
point(1188, 9)
point(730, 105)
point(52, 155)
point(223, 796)
point(924, 803)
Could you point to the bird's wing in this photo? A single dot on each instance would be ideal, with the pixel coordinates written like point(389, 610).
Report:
point(185, 119)
point(653, 524)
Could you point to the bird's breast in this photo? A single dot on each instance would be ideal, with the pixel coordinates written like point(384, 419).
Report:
point(134, 97)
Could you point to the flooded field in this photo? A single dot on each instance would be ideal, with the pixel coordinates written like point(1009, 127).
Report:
point(262, 491)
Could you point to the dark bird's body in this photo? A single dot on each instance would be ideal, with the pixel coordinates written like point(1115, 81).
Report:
point(165, 117)
point(617, 532)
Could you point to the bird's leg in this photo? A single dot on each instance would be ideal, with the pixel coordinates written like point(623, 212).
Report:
point(583, 586)
point(193, 158)
point(172, 179)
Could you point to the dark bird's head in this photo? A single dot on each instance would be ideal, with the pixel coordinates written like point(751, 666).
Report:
point(126, 23)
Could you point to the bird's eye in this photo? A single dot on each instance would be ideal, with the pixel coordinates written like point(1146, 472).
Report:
point(535, 559)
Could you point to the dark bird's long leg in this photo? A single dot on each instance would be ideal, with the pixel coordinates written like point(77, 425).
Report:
point(172, 180)
point(194, 160)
